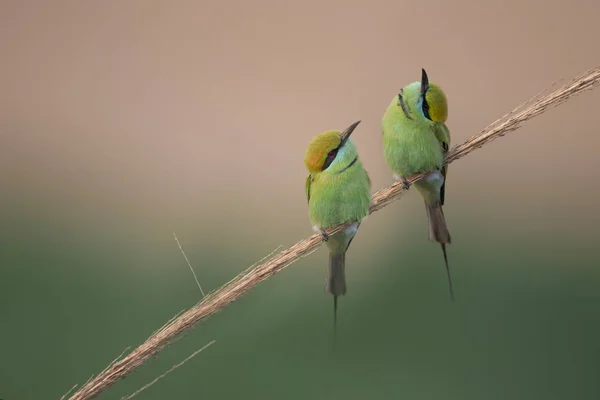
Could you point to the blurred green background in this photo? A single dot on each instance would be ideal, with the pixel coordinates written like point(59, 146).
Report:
point(122, 122)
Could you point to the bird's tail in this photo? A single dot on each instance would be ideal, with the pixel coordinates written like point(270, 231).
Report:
point(336, 279)
point(438, 232)
point(336, 275)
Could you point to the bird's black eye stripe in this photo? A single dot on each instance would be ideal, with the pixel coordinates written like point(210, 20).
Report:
point(426, 108)
point(329, 159)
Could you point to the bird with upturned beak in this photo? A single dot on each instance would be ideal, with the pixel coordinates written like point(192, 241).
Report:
point(416, 139)
point(338, 191)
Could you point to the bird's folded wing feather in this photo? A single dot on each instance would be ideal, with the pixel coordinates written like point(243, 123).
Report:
point(307, 187)
point(442, 133)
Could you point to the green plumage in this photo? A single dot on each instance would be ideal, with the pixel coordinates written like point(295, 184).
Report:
point(411, 142)
point(339, 196)
point(416, 139)
point(338, 190)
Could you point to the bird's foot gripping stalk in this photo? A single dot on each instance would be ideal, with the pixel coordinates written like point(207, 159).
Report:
point(324, 235)
point(405, 184)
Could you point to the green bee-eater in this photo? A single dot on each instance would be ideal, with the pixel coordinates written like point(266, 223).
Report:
point(415, 139)
point(338, 191)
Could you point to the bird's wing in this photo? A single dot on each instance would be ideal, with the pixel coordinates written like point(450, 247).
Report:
point(442, 133)
point(307, 187)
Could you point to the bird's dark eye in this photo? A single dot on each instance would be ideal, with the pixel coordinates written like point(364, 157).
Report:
point(329, 159)
point(426, 109)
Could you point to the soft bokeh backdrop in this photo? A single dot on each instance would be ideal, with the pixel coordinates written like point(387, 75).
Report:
point(124, 121)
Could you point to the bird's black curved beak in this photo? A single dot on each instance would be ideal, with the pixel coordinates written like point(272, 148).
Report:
point(424, 81)
point(346, 134)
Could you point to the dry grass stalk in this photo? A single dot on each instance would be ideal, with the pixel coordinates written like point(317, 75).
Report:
point(245, 281)
point(189, 265)
point(173, 368)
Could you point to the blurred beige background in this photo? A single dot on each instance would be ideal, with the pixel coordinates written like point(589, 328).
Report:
point(123, 121)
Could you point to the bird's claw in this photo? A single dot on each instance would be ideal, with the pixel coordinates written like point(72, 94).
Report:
point(405, 184)
point(324, 235)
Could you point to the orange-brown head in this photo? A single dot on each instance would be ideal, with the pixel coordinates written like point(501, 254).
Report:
point(434, 103)
point(328, 147)
point(423, 100)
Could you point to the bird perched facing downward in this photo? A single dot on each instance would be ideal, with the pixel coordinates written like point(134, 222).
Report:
point(416, 139)
point(338, 190)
